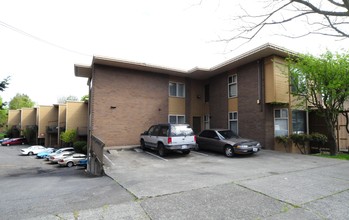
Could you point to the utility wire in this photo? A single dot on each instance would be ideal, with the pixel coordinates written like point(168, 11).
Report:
point(41, 40)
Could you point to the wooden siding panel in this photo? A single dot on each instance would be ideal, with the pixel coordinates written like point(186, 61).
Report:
point(233, 105)
point(276, 81)
point(269, 81)
point(176, 106)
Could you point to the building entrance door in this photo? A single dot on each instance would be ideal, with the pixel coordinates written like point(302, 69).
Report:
point(196, 124)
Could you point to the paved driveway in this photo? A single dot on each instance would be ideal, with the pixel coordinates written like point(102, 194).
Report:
point(32, 188)
point(202, 185)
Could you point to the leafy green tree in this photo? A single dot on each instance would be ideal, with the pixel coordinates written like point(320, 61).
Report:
point(21, 101)
point(3, 86)
point(3, 115)
point(69, 136)
point(84, 98)
point(323, 82)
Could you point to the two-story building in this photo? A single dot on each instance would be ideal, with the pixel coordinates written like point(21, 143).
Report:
point(44, 124)
point(249, 94)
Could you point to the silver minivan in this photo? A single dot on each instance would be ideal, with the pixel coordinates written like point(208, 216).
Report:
point(169, 137)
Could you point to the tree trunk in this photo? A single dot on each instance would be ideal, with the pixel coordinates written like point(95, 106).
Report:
point(331, 122)
point(332, 140)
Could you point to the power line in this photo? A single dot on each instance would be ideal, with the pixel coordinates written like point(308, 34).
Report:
point(40, 39)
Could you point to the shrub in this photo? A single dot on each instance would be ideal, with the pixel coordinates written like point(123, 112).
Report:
point(80, 147)
point(300, 140)
point(318, 141)
point(69, 136)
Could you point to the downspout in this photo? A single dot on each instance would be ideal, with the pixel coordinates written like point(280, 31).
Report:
point(260, 75)
point(89, 128)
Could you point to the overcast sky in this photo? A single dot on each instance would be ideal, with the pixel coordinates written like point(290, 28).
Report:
point(41, 40)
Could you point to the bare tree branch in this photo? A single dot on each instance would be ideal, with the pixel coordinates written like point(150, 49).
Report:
point(330, 22)
point(322, 12)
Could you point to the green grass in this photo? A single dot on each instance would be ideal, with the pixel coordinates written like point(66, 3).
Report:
point(339, 156)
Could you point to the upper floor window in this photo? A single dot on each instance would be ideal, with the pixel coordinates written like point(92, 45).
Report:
point(233, 86)
point(176, 89)
point(207, 93)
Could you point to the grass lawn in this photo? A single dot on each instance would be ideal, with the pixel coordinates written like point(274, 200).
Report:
point(340, 156)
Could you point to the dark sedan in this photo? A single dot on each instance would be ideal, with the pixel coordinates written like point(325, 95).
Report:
point(227, 142)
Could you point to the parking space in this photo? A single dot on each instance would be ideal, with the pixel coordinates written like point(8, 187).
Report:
point(273, 185)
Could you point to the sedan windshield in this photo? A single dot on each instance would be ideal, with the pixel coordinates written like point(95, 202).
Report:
point(227, 134)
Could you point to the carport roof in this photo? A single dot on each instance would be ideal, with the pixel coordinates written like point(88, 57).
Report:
point(196, 73)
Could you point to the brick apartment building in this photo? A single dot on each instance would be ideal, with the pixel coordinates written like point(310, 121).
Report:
point(248, 94)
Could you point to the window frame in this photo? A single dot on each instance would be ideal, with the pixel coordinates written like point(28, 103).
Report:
point(233, 119)
point(207, 121)
point(177, 116)
point(287, 118)
point(177, 89)
point(232, 83)
point(296, 119)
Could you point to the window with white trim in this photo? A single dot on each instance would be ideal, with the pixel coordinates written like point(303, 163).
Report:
point(233, 122)
point(177, 89)
point(298, 122)
point(281, 122)
point(206, 121)
point(176, 119)
point(233, 86)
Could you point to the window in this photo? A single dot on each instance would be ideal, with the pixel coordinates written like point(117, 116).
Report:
point(176, 119)
point(176, 89)
point(233, 122)
point(298, 122)
point(163, 131)
point(281, 122)
point(206, 121)
point(209, 134)
point(151, 130)
point(232, 86)
point(207, 93)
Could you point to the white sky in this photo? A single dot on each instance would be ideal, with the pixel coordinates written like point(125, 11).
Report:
point(179, 34)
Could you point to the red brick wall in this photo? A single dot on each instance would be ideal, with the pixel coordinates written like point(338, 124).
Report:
point(219, 101)
point(251, 118)
point(140, 98)
point(255, 121)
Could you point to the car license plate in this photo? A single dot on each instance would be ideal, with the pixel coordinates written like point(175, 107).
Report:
point(184, 146)
point(255, 149)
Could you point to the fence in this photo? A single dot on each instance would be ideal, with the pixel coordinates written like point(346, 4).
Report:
point(95, 163)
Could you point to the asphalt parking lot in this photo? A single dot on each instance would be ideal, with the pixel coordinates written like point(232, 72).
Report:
point(203, 185)
point(32, 188)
